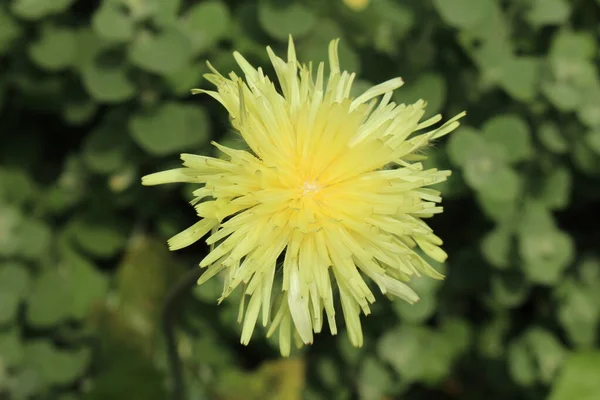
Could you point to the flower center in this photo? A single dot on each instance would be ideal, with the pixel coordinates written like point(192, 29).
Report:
point(309, 188)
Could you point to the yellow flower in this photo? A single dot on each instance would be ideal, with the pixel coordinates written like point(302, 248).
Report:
point(331, 190)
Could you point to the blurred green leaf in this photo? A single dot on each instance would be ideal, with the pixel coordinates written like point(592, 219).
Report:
point(36, 9)
point(463, 142)
point(66, 292)
point(593, 140)
point(512, 133)
point(416, 353)
point(556, 188)
point(519, 77)
point(498, 210)
point(55, 50)
point(579, 313)
point(99, 236)
point(79, 109)
point(463, 13)
point(50, 299)
point(11, 348)
point(496, 246)
point(548, 352)
point(577, 379)
point(54, 366)
point(521, 364)
point(10, 220)
point(491, 337)
point(14, 287)
point(11, 30)
point(551, 137)
point(16, 186)
point(509, 289)
point(171, 128)
point(33, 238)
point(107, 84)
point(280, 18)
point(586, 160)
point(503, 184)
point(569, 45)
point(548, 12)
point(111, 22)
point(546, 254)
point(106, 148)
point(563, 96)
point(161, 53)
point(206, 23)
point(374, 380)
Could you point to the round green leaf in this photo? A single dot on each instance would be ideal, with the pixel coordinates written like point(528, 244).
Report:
point(161, 53)
point(10, 220)
point(374, 379)
point(112, 23)
point(521, 364)
point(107, 84)
point(519, 77)
point(462, 143)
point(495, 209)
point(16, 187)
point(11, 348)
point(54, 366)
point(33, 238)
point(577, 379)
point(50, 299)
point(10, 31)
point(416, 353)
point(548, 12)
point(512, 133)
point(556, 188)
point(206, 23)
point(483, 164)
point(491, 337)
point(55, 50)
point(548, 352)
point(593, 140)
point(552, 139)
point(189, 76)
point(66, 292)
point(14, 287)
point(545, 255)
point(578, 314)
point(564, 96)
point(463, 13)
point(496, 246)
point(78, 110)
point(571, 45)
point(585, 158)
point(99, 237)
point(171, 128)
point(283, 18)
point(88, 285)
point(105, 148)
point(509, 290)
point(37, 9)
point(503, 185)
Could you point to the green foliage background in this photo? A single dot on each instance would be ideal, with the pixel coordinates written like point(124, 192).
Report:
point(95, 94)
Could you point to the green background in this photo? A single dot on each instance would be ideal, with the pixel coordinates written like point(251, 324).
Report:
point(95, 94)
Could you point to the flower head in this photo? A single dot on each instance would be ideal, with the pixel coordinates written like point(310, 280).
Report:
point(330, 189)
